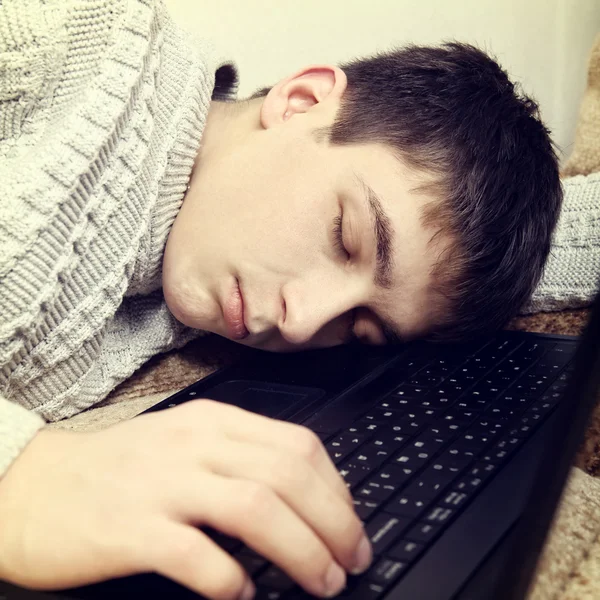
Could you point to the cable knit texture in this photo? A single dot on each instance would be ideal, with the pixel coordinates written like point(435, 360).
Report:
point(102, 107)
point(572, 273)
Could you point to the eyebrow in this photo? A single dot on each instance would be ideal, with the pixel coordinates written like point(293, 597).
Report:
point(383, 232)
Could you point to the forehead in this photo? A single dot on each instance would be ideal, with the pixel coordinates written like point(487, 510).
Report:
point(411, 302)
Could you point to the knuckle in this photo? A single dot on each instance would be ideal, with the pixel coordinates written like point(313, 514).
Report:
point(183, 549)
point(254, 502)
point(307, 443)
point(288, 472)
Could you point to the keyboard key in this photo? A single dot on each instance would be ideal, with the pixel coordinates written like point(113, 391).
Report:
point(423, 533)
point(354, 472)
point(394, 475)
point(431, 482)
point(440, 515)
point(456, 459)
point(365, 591)
point(429, 442)
point(390, 438)
point(263, 593)
point(542, 407)
point(486, 426)
point(407, 506)
point(346, 442)
point(375, 491)
point(408, 366)
point(533, 382)
point(496, 456)
point(440, 399)
point(406, 551)
point(465, 376)
point(386, 572)
point(488, 389)
point(496, 350)
point(384, 529)
point(380, 416)
point(475, 478)
point(371, 454)
point(252, 563)
point(426, 378)
point(459, 416)
point(410, 391)
point(275, 579)
point(469, 442)
point(226, 542)
point(552, 396)
point(509, 443)
point(533, 419)
point(454, 499)
point(512, 400)
point(383, 484)
point(521, 430)
point(503, 413)
point(472, 401)
point(483, 470)
point(364, 508)
point(245, 550)
point(412, 456)
point(366, 427)
point(446, 429)
point(469, 484)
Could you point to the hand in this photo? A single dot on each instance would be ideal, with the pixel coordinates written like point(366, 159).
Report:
point(78, 508)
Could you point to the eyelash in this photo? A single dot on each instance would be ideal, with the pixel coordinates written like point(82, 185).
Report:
point(339, 237)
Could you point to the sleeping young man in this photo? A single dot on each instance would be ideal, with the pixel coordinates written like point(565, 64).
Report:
point(409, 194)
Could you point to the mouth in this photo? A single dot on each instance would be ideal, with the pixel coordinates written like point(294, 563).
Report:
point(233, 313)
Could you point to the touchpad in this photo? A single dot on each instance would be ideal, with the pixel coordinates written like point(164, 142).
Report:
point(264, 398)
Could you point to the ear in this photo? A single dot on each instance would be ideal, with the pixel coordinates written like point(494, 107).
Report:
point(315, 85)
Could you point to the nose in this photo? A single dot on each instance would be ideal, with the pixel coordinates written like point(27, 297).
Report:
point(311, 305)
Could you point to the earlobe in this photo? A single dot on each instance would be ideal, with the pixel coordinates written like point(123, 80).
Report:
point(301, 91)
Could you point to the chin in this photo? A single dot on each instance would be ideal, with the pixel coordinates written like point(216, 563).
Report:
point(188, 303)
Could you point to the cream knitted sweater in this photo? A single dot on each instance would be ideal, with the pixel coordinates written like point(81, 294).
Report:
point(102, 107)
point(572, 273)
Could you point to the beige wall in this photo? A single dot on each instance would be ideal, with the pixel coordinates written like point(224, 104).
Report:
point(543, 43)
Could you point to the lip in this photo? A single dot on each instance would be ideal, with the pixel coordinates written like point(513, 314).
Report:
point(233, 313)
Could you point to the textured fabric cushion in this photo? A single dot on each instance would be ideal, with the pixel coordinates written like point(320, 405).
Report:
point(585, 157)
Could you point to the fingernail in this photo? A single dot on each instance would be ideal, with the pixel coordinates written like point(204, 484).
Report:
point(248, 591)
point(363, 557)
point(335, 580)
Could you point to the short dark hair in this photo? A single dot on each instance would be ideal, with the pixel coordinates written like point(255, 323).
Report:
point(452, 112)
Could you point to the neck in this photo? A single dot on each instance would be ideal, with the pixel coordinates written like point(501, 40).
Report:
point(227, 125)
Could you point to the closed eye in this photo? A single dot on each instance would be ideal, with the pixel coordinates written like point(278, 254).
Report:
point(338, 236)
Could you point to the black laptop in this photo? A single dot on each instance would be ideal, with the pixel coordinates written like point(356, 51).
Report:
point(456, 456)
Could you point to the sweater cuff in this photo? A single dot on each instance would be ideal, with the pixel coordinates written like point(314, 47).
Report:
point(18, 426)
point(572, 272)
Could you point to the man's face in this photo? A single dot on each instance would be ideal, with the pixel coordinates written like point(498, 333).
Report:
point(255, 253)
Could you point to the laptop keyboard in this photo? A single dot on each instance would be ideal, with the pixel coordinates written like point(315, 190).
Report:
point(419, 454)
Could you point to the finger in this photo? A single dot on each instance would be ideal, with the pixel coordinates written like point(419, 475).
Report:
point(246, 426)
point(190, 558)
point(303, 489)
point(254, 513)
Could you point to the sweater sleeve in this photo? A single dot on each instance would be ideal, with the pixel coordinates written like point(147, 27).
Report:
point(17, 427)
point(102, 107)
point(572, 273)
